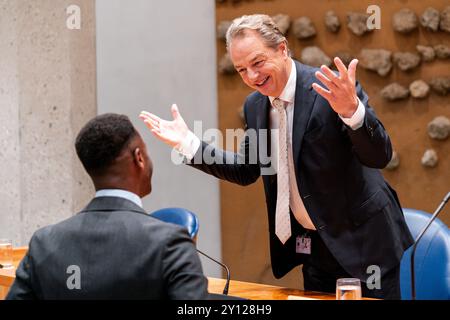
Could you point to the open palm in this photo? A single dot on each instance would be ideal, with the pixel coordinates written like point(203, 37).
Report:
point(341, 88)
point(171, 132)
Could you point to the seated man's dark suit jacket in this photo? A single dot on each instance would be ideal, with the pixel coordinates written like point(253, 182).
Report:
point(121, 251)
point(355, 211)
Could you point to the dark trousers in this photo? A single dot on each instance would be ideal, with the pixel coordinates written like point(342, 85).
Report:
point(321, 271)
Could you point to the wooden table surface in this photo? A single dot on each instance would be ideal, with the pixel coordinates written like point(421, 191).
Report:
point(7, 276)
point(256, 291)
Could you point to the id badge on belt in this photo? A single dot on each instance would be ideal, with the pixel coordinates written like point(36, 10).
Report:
point(303, 244)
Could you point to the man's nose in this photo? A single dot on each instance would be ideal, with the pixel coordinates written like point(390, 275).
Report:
point(252, 74)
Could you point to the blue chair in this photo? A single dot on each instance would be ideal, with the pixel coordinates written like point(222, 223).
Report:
point(432, 259)
point(180, 217)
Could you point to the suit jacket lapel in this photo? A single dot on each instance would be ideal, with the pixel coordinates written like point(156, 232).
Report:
point(304, 101)
point(262, 116)
point(262, 119)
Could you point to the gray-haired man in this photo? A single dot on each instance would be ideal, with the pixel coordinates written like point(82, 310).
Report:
point(329, 207)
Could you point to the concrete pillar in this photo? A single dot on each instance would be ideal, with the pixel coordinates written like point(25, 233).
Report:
point(47, 92)
point(9, 125)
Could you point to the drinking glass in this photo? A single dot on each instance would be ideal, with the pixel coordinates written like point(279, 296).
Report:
point(348, 289)
point(6, 254)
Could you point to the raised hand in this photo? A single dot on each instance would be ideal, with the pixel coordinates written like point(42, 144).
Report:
point(341, 93)
point(171, 132)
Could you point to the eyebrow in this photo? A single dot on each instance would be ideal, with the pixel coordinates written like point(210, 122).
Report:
point(251, 61)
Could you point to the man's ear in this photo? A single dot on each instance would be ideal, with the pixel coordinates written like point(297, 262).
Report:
point(284, 49)
point(139, 158)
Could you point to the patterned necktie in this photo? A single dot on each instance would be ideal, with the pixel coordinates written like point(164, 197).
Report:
point(282, 217)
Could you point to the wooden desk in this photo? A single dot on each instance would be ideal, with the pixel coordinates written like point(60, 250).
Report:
point(7, 276)
point(255, 291)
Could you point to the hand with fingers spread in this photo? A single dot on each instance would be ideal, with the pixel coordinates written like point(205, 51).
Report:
point(341, 89)
point(171, 132)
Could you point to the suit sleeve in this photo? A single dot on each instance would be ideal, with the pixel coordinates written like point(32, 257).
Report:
point(22, 287)
point(182, 269)
point(241, 168)
point(371, 143)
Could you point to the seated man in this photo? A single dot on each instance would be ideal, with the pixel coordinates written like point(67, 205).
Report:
point(112, 249)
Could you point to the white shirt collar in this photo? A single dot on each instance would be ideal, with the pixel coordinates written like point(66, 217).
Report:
point(288, 93)
point(121, 194)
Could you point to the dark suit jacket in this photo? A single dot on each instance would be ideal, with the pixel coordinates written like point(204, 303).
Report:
point(355, 211)
point(121, 252)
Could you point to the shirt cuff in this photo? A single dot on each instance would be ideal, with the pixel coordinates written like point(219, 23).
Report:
point(356, 121)
point(189, 146)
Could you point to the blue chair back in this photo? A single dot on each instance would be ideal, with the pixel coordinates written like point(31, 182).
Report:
point(179, 216)
point(432, 259)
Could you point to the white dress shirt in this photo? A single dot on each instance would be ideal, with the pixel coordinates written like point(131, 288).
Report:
point(121, 194)
point(191, 143)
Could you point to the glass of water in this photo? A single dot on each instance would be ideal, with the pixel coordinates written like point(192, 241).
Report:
point(348, 289)
point(6, 254)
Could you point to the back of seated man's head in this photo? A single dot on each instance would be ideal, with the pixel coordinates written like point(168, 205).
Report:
point(114, 154)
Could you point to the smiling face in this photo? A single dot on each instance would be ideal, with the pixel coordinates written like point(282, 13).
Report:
point(261, 67)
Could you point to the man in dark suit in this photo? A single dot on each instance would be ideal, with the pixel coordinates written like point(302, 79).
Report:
point(329, 207)
point(112, 249)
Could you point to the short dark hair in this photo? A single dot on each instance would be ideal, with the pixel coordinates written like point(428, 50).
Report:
point(102, 140)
